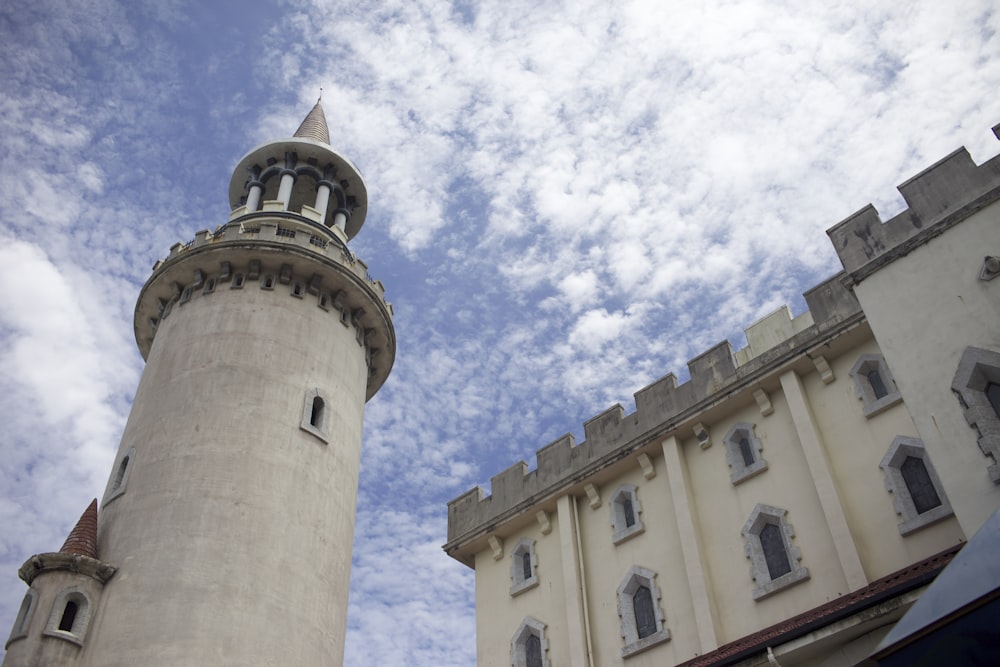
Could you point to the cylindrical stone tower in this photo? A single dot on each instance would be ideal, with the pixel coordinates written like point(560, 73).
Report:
point(229, 513)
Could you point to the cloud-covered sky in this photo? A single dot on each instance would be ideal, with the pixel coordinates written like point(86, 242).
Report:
point(567, 202)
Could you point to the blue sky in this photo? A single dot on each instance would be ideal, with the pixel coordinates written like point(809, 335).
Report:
point(567, 202)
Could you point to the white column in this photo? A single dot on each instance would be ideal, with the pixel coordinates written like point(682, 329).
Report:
point(673, 461)
point(285, 189)
point(253, 197)
point(573, 582)
point(819, 468)
point(322, 198)
point(340, 220)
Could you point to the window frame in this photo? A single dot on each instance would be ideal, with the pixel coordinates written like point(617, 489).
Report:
point(116, 485)
point(901, 448)
point(864, 390)
point(22, 622)
point(764, 585)
point(81, 620)
point(518, 644)
point(520, 583)
point(622, 532)
point(739, 471)
point(639, 576)
point(977, 369)
point(321, 431)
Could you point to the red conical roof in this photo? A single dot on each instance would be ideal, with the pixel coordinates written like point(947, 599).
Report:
point(82, 539)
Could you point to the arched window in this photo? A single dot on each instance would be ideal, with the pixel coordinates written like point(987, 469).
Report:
point(774, 560)
point(23, 620)
point(629, 512)
point(70, 616)
point(643, 624)
point(533, 651)
point(910, 477)
point(746, 452)
point(977, 386)
point(315, 415)
point(120, 475)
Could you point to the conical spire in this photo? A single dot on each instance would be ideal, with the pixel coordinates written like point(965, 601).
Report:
point(82, 539)
point(314, 126)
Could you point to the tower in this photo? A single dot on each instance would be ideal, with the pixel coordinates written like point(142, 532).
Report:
point(226, 527)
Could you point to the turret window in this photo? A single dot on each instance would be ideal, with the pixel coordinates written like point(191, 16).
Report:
point(977, 386)
point(70, 616)
point(523, 567)
point(743, 452)
point(625, 511)
point(643, 624)
point(529, 647)
point(774, 559)
point(23, 620)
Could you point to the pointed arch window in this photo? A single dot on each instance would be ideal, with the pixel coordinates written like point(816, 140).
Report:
point(774, 559)
point(874, 385)
point(743, 452)
point(625, 510)
point(977, 386)
point(910, 477)
point(523, 567)
point(643, 624)
point(529, 647)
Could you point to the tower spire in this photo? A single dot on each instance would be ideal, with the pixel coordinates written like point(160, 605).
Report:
point(314, 126)
point(82, 539)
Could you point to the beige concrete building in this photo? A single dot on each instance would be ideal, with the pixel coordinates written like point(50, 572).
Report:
point(263, 340)
point(791, 499)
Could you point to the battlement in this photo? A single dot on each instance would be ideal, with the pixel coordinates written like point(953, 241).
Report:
point(937, 198)
point(285, 228)
point(660, 407)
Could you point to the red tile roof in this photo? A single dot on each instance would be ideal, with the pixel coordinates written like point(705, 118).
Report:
point(82, 539)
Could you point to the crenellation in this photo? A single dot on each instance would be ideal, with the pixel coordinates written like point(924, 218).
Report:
point(831, 302)
point(934, 197)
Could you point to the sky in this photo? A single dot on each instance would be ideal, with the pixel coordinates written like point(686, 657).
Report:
point(567, 201)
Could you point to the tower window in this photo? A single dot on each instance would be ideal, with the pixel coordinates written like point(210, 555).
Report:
point(775, 555)
point(629, 512)
point(238, 280)
point(743, 452)
point(873, 384)
point(315, 415)
point(910, 477)
point(209, 286)
point(977, 386)
point(24, 614)
point(526, 565)
point(993, 396)
point(533, 651)
point(120, 475)
point(645, 618)
point(268, 282)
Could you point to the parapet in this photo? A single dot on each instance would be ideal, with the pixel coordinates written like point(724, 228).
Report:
point(614, 434)
point(937, 198)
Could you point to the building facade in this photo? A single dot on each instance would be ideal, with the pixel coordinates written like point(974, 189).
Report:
point(224, 535)
point(790, 500)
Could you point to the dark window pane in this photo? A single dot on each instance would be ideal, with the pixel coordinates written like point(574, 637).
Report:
point(526, 565)
point(642, 605)
point(993, 394)
point(629, 512)
point(919, 484)
point(69, 615)
point(533, 651)
point(878, 386)
point(774, 551)
point(746, 451)
point(316, 418)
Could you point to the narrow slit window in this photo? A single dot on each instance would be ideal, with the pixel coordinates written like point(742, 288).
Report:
point(68, 616)
point(316, 418)
point(533, 651)
point(120, 475)
point(746, 452)
point(526, 565)
point(629, 512)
